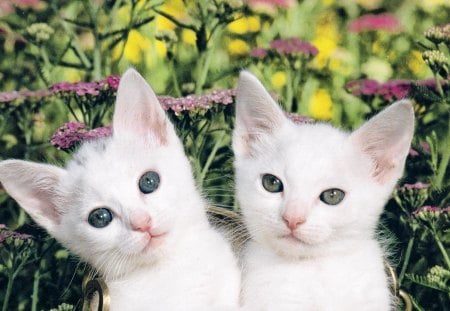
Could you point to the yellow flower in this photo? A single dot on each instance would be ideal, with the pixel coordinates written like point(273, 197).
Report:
point(326, 46)
point(320, 105)
point(238, 47)
point(188, 36)
point(416, 64)
point(136, 45)
point(326, 39)
point(254, 25)
point(174, 8)
point(71, 75)
point(244, 25)
point(278, 79)
point(327, 2)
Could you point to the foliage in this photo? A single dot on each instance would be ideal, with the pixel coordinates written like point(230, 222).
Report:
point(332, 61)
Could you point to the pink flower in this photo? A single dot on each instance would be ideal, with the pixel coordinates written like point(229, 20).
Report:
point(291, 46)
point(71, 133)
point(413, 152)
point(258, 53)
point(6, 233)
point(269, 6)
point(394, 89)
point(418, 185)
point(191, 102)
point(13, 95)
point(387, 22)
point(113, 81)
point(363, 87)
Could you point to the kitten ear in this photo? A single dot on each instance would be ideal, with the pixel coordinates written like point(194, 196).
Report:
point(137, 110)
point(386, 138)
point(34, 187)
point(257, 114)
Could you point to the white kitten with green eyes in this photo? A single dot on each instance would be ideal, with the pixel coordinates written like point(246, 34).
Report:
point(311, 197)
point(128, 205)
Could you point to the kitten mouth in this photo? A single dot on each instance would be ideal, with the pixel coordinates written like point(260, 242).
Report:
point(154, 240)
point(291, 237)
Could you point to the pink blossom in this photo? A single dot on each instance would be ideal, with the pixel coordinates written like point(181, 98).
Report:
point(113, 81)
point(362, 87)
point(6, 233)
point(13, 95)
point(418, 185)
point(191, 102)
point(387, 22)
point(270, 6)
point(258, 53)
point(394, 89)
point(71, 133)
point(413, 153)
point(291, 46)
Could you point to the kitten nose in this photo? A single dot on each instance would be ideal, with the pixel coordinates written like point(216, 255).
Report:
point(141, 223)
point(293, 222)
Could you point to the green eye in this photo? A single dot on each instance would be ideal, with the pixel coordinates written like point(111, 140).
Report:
point(332, 196)
point(100, 217)
point(272, 183)
point(149, 182)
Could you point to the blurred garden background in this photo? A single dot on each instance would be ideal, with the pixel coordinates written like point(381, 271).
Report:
point(323, 60)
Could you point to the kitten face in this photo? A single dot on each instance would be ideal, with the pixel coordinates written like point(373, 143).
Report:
point(304, 189)
point(117, 203)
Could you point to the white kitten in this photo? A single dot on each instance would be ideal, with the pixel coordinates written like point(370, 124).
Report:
point(128, 205)
point(311, 197)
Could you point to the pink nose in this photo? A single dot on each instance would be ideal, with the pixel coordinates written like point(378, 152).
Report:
point(141, 223)
point(292, 222)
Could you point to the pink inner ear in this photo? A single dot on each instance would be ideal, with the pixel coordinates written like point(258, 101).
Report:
point(383, 168)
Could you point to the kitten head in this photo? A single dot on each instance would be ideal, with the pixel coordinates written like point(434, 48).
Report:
point(122, 201)
point(307, 189)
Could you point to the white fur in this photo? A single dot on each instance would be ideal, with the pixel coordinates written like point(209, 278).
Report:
point(190, 268)
point(333, 260)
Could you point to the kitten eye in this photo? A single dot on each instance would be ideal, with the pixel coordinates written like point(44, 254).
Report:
point(332, 196)
point(149, 182)
point(100, 217)
point(272, 183)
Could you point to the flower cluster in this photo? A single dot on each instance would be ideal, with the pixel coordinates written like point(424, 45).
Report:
point(79, 88)
point(389, 90)
point(437, 61)
point(192, 102)
point(86, 88)
point(438, 34)
point(72, 133)
point(286, 47)
point(372, 22)
point(412, 196)
point(13, 95)
point(41, 32)
point(432, 214)
point(9, 235)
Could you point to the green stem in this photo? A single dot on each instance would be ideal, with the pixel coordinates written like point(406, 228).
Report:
point(407, 258)
point(442, 168)
point(35, 295)
point(204, 63)
point(289, 91)
point(97, 73)
point(175, 82)
point(438, 84)
point(442, 249)
point(211, 157)
point(8, 292)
